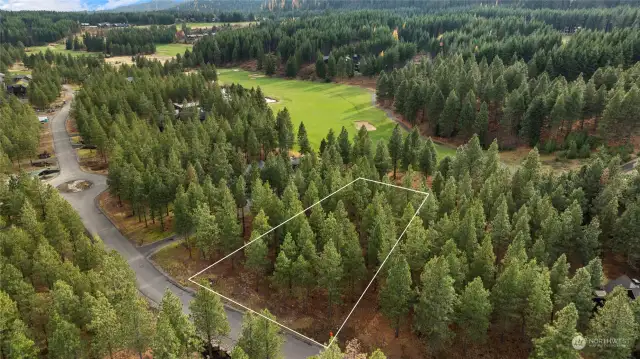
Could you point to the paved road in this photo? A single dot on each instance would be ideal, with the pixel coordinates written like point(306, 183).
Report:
point(150, 281)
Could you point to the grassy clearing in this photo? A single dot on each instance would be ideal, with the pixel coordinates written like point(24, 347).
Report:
point(321, 106)
point(172, 49)
point(208, 25)
point(57, 49)
point(84, 153)
point(549, 161)
point(18, 69)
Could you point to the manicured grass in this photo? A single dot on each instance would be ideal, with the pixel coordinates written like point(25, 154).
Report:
point(208, 25)
point(198, 25)
point(444, 151)
point(57, 48)
point(321, 106)
point(172, 49)
point(161, 49)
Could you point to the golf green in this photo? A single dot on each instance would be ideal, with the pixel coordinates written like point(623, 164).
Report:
point(321, 106)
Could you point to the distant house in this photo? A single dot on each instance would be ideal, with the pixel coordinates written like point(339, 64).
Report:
point(632, 286)
point(325, 58)
point(130, 79)
point(19, 85)
point(188, 109)
point(84, 24)
point(43, 119)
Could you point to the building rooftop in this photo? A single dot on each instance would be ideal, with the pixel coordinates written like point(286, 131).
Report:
point(632, 285)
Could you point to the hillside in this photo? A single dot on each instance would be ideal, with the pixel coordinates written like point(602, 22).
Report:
point(219, 5)
point(147, 6)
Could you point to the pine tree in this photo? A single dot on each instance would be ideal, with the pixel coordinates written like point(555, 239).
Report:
point(330, 274)
point(467, 118)
point(449, 117)
point(137, 324)
point(395, 148)
point(396, 295)
point(181, 327)
point(209, 317)
point(436, 304)
point(501, 226)
point(166, 344)
point(260, 338)
point(286, 134)
point(106, 328)
point(303, 141)
point(382, 159)
point(344, 145)
point(14, 338)
point(63, 340)
point(473, 312)
point(207, 232)
point(509, 293)
point(539, 305)
point(577, 290)
point(240, 196)
point(483, 262)
point(614, 320)
point(352, 259)
point(228, 222)
point(416, 245)
point(594, 267)
point(556, 339)
point(282, 275)
point(481, 123)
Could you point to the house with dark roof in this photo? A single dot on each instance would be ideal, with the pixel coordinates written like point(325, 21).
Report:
point(632, 286)
point(19, 85)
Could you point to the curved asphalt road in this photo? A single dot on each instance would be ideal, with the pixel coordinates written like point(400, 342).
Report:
point(150, 281)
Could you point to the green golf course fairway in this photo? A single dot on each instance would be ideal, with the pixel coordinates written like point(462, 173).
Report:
point(320, 106)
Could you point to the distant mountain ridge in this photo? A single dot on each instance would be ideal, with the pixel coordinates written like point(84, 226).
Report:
point(148, 6)
point(219, 5)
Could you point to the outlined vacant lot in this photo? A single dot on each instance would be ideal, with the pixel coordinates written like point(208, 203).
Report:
point(239, 302)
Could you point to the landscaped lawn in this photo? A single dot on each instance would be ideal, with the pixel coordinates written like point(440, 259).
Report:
point(172, 49)
point(208, 25)
point(320, 106)
point(57, 48)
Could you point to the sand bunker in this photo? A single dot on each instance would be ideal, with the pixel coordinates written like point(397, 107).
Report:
point(366, 125)
point(272, 100)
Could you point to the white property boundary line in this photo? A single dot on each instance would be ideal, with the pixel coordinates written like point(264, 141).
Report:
point(281, 224)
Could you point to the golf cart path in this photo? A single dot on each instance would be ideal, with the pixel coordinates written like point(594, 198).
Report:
point(151, 282)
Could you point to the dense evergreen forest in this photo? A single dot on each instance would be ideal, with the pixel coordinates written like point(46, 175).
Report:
point(41, 27)
point(430, 5)
point(503, 73)
point(63, 295)
point(9, 55)
point(385, 39)
point(129, 41)
point(519, 245)
point(494, 252)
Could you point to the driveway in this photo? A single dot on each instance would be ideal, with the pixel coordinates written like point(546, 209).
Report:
point(150, 281)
